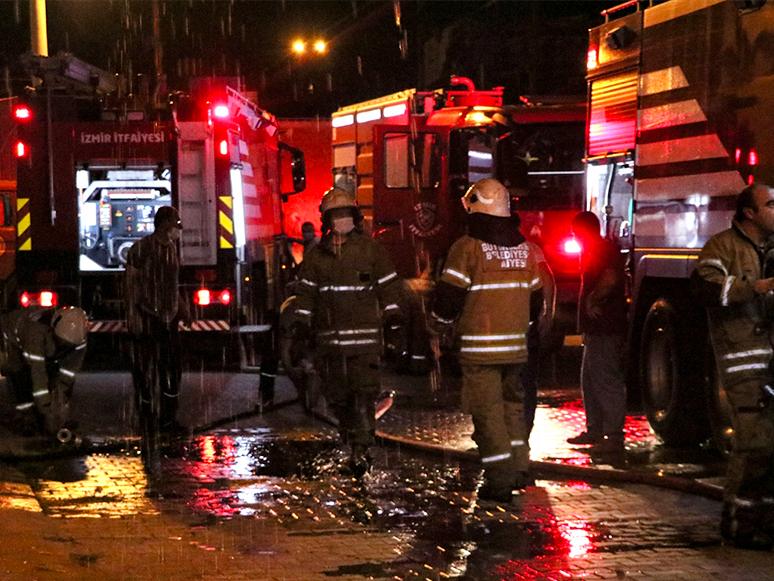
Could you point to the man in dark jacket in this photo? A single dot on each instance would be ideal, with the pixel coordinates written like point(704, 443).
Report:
point(154, 308)
point(347, 288)
point(602, 321)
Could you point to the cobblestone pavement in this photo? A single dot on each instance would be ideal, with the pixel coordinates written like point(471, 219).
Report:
point(261, 497)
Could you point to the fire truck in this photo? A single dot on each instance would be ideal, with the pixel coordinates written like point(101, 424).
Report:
point(409, 157)
point(93, 168)
point(679, 97)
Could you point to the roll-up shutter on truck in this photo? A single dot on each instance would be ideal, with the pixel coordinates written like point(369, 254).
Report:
point(613, 115)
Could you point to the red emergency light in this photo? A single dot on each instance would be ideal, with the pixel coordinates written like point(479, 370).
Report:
point(22, 113)
point(592, 58)
point(220, 111)
point(571, 246)
point(223, 147)
point(41, 299)
point(752, 158)
point(20, 149)
point(204, 297)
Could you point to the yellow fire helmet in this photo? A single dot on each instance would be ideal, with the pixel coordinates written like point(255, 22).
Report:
point(487, 196)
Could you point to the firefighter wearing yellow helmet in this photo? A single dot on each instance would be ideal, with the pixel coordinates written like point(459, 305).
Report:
point(44, 350)
point(347, 289)
point(491, 288)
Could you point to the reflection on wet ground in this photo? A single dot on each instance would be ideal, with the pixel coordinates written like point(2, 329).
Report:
point(559, 416)
point(426, 502)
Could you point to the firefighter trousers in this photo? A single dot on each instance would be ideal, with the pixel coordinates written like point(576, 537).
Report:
point(51, 409)
point(156, 370)
point(494, 396)
point(742, 347)
point(350, 385)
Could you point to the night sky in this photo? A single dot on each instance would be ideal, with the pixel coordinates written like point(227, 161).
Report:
point(527, 47)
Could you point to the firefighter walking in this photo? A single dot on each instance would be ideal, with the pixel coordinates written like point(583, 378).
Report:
point(347, 288)
point(729, 278)
point(491, 287)
point(44, 350)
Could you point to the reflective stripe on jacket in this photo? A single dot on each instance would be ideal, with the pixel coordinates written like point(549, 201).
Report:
point(344, 293)
point(728, 267)
point(499, 280)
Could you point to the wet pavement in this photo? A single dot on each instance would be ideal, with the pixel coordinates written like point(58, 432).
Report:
point(253, 495)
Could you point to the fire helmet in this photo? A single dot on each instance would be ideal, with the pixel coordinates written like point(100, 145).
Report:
point(71, 325)
point(337, 198)
point(487, 196)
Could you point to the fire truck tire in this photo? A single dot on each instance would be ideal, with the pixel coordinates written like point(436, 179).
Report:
point(672, 378)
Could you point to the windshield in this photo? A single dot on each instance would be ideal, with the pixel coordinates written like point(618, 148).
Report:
point(542, 165)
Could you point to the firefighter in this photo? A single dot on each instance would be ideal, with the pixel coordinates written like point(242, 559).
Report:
point(491, 287)
point(44, 349)
point(347, 288)
point(154, 308)
point(729, 279)
point(309, 238)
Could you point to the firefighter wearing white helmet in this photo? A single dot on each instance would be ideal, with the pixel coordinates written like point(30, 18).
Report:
point(44, 350)
point(491, 287)
point(347, 289)
point(487, 196)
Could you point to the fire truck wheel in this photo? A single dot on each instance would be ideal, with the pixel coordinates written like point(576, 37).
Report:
point(671, 378)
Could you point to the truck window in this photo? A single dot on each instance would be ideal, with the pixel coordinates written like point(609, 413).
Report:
point(345, 167)
point(116, 208)
point(545, 162)
point(480, 159)
point(398, 160)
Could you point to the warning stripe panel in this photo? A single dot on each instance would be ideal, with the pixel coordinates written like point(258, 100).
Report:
point(23, 232)
point(226, 222)
point(120, 326)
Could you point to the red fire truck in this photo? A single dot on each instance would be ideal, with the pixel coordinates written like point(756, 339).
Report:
point(410, 157)
point(680, 94)
point(93, 168)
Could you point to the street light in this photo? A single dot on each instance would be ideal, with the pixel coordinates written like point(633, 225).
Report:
point(299, 46)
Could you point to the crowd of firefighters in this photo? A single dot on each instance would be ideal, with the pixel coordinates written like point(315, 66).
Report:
point(495, 295)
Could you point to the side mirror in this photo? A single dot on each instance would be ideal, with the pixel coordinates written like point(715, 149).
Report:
point(297, 167)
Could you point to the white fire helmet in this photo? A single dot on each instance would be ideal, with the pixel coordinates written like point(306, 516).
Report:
point(487, 196)
point(71, 324)
point(337, 198)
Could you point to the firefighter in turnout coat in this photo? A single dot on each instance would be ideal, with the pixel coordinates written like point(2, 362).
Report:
point(491, 287)
point(43, 350)
point(729, 278)
point(347, 288)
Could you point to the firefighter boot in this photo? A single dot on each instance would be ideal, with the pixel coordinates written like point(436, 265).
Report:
point(26, 422)
point(498, 483)
point(742, 526)
point(360, 460)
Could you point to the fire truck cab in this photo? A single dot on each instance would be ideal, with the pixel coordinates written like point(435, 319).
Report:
point(410, 157)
